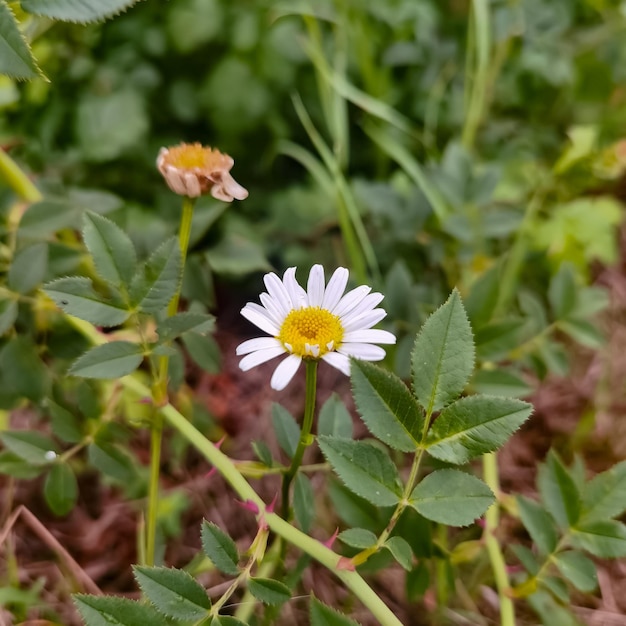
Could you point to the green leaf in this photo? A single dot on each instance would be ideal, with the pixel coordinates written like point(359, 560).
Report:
point(605, 539)
point(220, 549)
point(451, 497)
point(334, 419)
point(443, 355)
point(108, 610)
point(286, 429)
point(61, 489)
point(22, 372)
point(475, 425)
point(559, 492)
point(111, 248)
point(263, 453)
point(176, 325)
point(173, 592)
point(604, 496)
point(13, 465)
point(386, 406)
point(303, 502)
point(498, 338)
point(578, 569)
point(539, 524)
point(365, 469)
point(562, 291)
point(583, 331)
point(8, 314)
point(155, 284)
point(483, 297)
point(500, 383)
point(80, 11)
point(227, 620)
point(110, 360)
point(29, 445)
point(322, 615)
point(401, 551)
point(45, 218)
point(527, 558)
point(16, 58)
point(204, 351)
point(358, 538)
point(111, 461)
point(269, 591)
point(76, 296)
point(65, 425)
point(28, 268)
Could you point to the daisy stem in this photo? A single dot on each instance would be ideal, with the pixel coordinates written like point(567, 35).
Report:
point(159, 395)
point(305, 433)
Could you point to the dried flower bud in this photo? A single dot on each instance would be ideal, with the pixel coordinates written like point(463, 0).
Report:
point(193, 170)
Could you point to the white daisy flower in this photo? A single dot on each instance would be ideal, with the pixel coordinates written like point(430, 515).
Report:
point(319, 323)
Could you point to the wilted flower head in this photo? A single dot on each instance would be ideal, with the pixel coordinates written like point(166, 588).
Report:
point(319, 323)
point(191, 169)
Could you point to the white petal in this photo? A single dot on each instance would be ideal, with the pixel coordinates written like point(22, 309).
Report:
point(277, 290)
point(366, 304)
point(350, 300)
point(296, 293)
point(260, 356)
point(273, 308)
point(367, 320)
point(335, 288)
point(315, 286)
point(340, 361)
point(365, 351)
point(285, 372)
point(259, 343)
point(256, 314)
point(372, 335)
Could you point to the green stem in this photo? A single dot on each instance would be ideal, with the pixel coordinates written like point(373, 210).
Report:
point(159, 395)
point(17, 179)
point(305, 433)
point(498, 565)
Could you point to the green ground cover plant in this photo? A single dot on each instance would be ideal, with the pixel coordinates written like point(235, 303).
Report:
point(459, 162)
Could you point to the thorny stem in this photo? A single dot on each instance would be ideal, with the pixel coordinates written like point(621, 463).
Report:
point(498, 565)
point(305, 433)
point(159, 396)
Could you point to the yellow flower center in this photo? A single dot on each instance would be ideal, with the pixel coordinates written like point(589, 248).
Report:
point(190, 156)
point(311, 332)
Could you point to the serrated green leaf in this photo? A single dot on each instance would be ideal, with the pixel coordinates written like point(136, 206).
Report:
point(539, 524)
point(76, 296)
point(303, 502)
point(322, 615)
point(111, 248)
point(81, 11)
point(365, 469)
point(203, 351)
point(173, 592)
point(605, 539)
point(112, 461)
point(109, 611)
point(176, 325)
point(401, 551)
point(220, 549)
point(604, 496)
point(578, 569)
point(286, 429)
point(156, 282)
point(357, 538)
point(65, 425)
point(8, 314)
point(451, 497)
point(110, 360)
point(269, 591)
point(334, 419)
point(32, 446)
point(61, 489)
point(559, 492)
point(475, 425)
point(443, 355)
point(562, 291)
point(16, 58)
point(386, 406)
point(28, 268)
